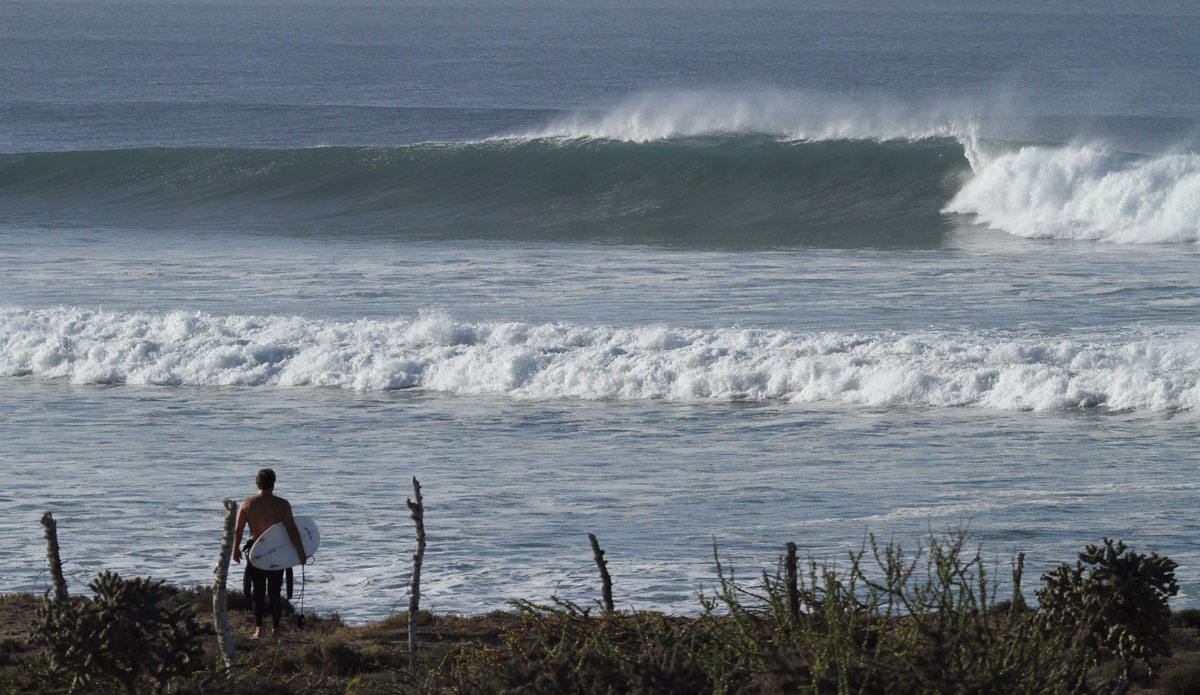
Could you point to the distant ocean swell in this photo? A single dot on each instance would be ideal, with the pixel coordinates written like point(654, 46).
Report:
point(1156, 372)
point(704, 189)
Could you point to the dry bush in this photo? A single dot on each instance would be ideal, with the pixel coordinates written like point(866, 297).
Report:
point(332, 657)
point(1181, 677)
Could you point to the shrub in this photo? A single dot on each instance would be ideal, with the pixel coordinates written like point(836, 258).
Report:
point(563, 648)
point(1181, 679)
point(323, 624)
point(1188, 617)
point(8, 647)
point(1115, 600)
point(898, 623)
point(333, 657)
point(124, 634)
point(887, 624)
point(382, 657)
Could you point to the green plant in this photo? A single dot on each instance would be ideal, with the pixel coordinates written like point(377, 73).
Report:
point(1116, 600)
point(124, 634)
point(890, 622)
point(565, 648)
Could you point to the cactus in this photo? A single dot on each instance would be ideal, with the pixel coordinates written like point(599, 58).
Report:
point(125, 634)
point(1116, 600)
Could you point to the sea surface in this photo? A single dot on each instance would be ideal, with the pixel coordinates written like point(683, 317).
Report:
point(673, 274)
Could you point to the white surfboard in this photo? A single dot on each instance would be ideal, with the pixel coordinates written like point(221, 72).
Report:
point(274, 550)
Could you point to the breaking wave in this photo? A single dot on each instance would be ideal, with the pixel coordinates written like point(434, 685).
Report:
point(689, 168)
point(1085, 192)
point(434, 352)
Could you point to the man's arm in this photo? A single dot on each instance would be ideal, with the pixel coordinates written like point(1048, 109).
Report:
point(237, 535)
point(294, 533)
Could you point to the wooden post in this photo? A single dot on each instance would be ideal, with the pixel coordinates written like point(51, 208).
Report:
point(605, 579)
point(1018, 599)
point(793, 593)
point(56, 573)
point(414, 600)
point(220, 598)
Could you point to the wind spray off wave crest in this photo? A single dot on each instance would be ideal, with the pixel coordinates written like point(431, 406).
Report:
point(434, 352)
point(791, 116)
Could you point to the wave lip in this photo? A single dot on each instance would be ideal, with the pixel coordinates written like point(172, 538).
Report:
point(436, 353)
point(1085, 192)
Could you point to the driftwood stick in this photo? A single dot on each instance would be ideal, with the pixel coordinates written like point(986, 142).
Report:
point(605, 579)
point(56, 573)
point(220, 598)
point(793, 593)
point(414, 600)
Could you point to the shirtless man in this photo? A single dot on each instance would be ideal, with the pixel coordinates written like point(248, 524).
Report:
point(261, 512)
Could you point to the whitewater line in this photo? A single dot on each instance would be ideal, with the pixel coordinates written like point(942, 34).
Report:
point(435, 352)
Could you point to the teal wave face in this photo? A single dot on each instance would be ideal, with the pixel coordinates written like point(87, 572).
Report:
point(704, 191)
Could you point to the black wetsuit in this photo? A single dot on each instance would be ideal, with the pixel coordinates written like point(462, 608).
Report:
point(265, 586)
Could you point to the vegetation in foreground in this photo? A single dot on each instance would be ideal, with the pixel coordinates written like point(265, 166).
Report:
point(887, 622)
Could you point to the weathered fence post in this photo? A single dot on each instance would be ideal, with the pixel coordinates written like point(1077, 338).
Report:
point(56, 573)
point(793, 593)
point(414, 600)
point(1018, 599)
point(605, 579)
point(220, 597)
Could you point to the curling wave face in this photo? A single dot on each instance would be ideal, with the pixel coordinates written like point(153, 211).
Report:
point(1147, 371)
point(711, 190)
point(693, 168)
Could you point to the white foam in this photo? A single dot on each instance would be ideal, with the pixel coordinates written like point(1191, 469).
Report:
point(547, 361)
point(662, 115)
point(1085, 192)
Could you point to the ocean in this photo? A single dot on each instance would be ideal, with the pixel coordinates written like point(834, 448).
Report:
point(675, 274)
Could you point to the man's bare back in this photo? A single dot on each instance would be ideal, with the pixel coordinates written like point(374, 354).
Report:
point(260, 512)
point(263, 511)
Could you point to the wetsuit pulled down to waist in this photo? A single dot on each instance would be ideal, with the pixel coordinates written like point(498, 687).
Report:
point(264, 588)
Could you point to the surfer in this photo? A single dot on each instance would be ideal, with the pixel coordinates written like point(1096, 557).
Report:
point(261, 512)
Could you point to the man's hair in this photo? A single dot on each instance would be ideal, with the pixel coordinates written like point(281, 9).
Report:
point(265, 479)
